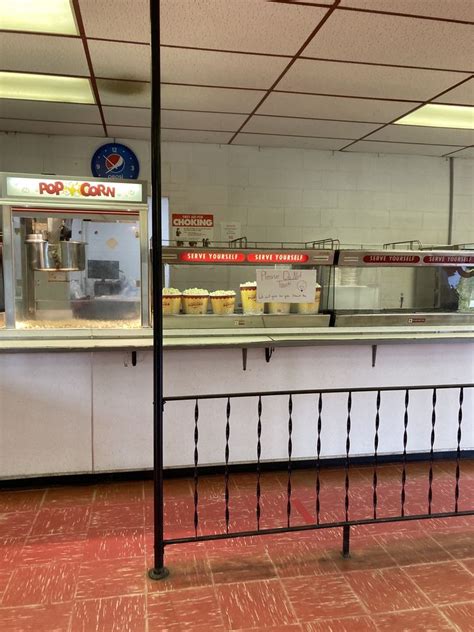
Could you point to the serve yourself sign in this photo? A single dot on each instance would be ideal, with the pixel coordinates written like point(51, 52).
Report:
point(192, 227)
point(286, 286)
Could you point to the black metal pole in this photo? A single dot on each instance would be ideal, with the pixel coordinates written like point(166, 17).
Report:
point(158, 571)
point(346, 531)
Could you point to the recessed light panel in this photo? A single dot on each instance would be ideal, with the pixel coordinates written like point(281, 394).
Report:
point(432, 115)
point(15, 85)
point(40, 16)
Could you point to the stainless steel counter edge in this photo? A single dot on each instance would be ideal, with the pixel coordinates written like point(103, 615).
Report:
point(100, 340)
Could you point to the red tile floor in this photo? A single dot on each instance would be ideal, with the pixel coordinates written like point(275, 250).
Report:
point(74, 559)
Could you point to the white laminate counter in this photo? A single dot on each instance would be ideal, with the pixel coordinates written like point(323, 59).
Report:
point(134, 339)
point(89, 408)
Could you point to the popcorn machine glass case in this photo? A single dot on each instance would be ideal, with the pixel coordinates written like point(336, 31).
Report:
point(75, 253)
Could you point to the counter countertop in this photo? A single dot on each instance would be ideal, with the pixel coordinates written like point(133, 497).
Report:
point(115, 339)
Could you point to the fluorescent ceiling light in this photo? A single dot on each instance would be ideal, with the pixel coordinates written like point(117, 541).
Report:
point(433, 115)
point(15, 85)
point(40, 16)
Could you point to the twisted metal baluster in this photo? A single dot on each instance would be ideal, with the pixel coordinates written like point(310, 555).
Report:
point(348, 447)
point(259, 452)
point(405, 441)
point(290, 451)
point(458, 450)
point(318, 458)
point(196, 460)
point(430, 475)
point(226, 472)
point(376, 445)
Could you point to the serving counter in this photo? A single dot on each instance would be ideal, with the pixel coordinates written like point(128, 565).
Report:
point(76, 360)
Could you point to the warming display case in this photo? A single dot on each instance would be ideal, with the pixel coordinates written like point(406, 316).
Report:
point(217, 288)
point(387, 287)
point(74, 253)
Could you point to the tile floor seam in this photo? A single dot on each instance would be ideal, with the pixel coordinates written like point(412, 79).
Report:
point(43, 498)
point(283, 588)
point(364, 607)
point(461, 562)
point(419, 587)
point(453, 558)
point(452, 625)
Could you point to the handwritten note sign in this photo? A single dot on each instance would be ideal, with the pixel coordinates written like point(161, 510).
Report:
point(286, 286)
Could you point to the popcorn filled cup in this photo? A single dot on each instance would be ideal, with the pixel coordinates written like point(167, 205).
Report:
point(195, 301)
point(248, 294)
point(171, 301)
point(223, 302)
point(311, 308)
point(279, 308)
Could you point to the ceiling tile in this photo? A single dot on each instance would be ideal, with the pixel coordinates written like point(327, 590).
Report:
point(463, 95)
point(119, 131)
point(210, 68)
point(211, 99)
point(202, 120)
point(464, 153)
point(367, 81)
point(336, 108)
point(307, 127)
point(263, 140)
point(39, 127)
point(42, 54)
point(49, 111)
point(242, 25)
point(127, 20)
point(418, 134)
point(129, 93)
point(127, 116)
point(400, 148)
point(193, 136)
point(387, 39)
point(120, 61)
point(450, 9)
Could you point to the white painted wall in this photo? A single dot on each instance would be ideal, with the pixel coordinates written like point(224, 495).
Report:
point(283, 194)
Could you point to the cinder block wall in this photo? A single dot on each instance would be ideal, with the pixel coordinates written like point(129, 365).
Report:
point(284, 194)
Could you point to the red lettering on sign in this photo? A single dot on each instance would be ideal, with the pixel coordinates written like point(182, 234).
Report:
point(52, 188)
point(449, 259)
point(405, 259)
point(192, 220)
point(277, 257)
point(85, 189)
point(212, 257)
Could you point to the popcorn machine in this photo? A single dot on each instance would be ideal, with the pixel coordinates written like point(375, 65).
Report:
point(74, 252)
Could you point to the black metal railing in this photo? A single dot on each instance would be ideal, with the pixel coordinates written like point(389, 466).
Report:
point(460, 421)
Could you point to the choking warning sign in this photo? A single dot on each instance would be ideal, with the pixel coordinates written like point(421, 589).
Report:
point(191, 228)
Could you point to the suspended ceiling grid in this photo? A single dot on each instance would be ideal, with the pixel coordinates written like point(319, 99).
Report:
point(280, 73)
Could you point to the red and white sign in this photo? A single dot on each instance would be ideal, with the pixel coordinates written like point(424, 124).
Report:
point(400, 259)
point(78, 190)
point(450, 259)
point(277, 257)
point(212, 257)
point(192, 227)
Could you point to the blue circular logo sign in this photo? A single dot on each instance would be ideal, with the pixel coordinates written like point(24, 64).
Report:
point(115, 160)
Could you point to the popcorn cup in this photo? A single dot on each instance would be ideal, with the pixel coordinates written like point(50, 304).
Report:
point(223, 304)
point(195, 303)
point(310, 308)
point(248, 294)
point(279, 308)
point(171, 304)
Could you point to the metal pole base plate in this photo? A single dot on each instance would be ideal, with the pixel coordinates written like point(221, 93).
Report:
point(158, 573)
